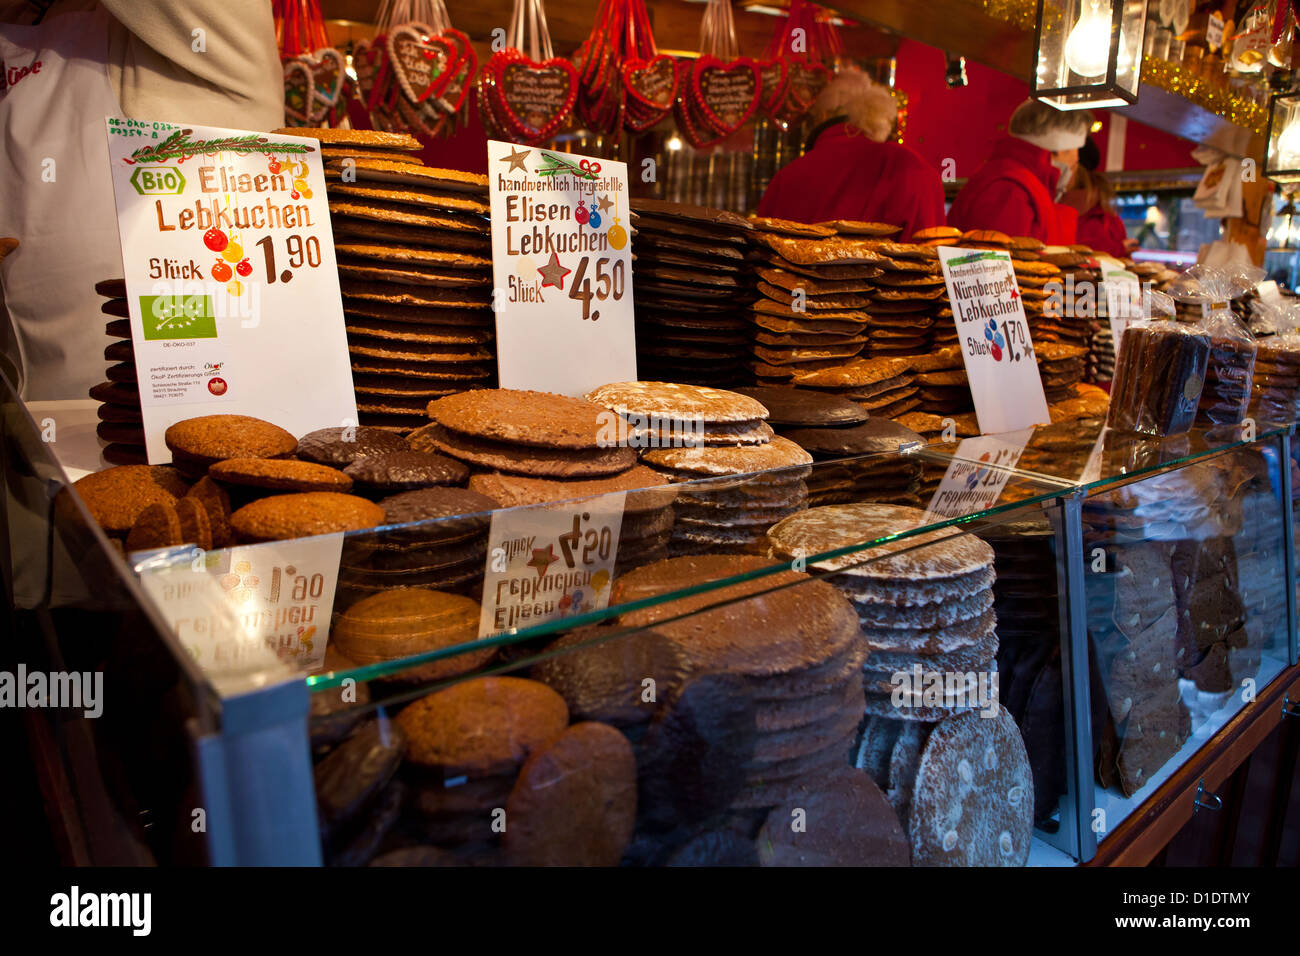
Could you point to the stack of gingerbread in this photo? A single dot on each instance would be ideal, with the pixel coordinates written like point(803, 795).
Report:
point(414, 258)
point(121, 422)
point(691, 287)
point(884, 387)
point(814, 290)
point(691, 433)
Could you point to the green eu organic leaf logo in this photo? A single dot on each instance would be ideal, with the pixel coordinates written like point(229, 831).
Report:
point(178, 317)
point(158, 181)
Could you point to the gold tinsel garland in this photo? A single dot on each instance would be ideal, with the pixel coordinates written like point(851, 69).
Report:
point(1215, 96)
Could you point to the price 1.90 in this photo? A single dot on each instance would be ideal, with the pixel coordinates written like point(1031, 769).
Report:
point(300, 252)
point(609, 284)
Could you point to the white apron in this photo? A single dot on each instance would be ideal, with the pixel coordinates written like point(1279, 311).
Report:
point(52, 122)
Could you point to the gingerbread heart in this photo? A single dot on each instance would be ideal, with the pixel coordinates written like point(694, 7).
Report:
point(726, 93)
point(453, 97)
point(773, 74)
point(806, 81)
point(330, 79)
point(534, 99)
point(653, 82)
point(298, 89)
point(422, 68)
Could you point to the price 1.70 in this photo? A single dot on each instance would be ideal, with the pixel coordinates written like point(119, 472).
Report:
point(610, 284)
point(299, 252)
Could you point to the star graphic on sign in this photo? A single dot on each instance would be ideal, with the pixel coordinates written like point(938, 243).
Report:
point(516, 159)
point(605, 203)
point(543, 559)
point(553, 273)
point(1015, 294)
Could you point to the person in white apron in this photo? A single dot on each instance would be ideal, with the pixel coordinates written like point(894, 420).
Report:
point(212, 62)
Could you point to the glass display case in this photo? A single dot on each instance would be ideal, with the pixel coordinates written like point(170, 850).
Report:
point(983, 653)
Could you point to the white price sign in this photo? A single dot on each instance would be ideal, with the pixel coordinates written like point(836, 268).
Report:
point(994, 338)
point(562, 270)
point(248, 609)
point(1123, 299)
point(231, 281)
point(978, 473)
point(548, 562)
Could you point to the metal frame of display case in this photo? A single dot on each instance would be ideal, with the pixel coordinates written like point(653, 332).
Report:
point(254, 763)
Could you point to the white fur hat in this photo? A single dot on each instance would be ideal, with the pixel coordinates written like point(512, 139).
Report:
point(1051, 129)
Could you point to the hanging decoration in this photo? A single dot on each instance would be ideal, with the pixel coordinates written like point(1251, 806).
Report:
point(804, 46)
point(527, 98)
point(623, 80)
point(416, 73)
point(721, 90)
point(316, 83)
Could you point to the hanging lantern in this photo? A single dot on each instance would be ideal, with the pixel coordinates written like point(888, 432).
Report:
point(1283, 164)
point(1089, 52)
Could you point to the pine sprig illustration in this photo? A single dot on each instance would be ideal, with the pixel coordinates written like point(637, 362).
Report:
point(180, 147)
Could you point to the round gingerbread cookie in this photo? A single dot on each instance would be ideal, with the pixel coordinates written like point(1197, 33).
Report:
point(280, 474)
point(574, 803)
point(196, 528)
point(212, 438)
point(158, 526)
point(116, 496)
point(302, 514)
point(842, 820)
point(339, 447)
point(973, 800)
point(484, 726)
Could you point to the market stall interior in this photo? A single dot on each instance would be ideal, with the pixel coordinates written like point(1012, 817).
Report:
point(856, 533)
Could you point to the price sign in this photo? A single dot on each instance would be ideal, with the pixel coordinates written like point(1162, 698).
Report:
point(977, 474)
point(548, 562)
point(1123, 297)
point(249, 610)
point(994, 338)
point(232, 287)
point(562, 270)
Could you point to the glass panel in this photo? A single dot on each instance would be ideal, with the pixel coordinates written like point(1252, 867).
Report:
point(1078, 68)
point(503, 577)
point(111, 703)
point(1284, 139)
point(727, 726)
point(1086, 454)
point(1186, 602)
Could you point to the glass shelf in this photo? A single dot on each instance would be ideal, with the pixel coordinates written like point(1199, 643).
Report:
point(185, 596)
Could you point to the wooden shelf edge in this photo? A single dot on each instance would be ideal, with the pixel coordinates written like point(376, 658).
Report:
point(1149, 828)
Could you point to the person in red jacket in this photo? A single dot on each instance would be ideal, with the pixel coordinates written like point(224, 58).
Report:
point(1093, 197)
point(850, 169)
point(1017, 190)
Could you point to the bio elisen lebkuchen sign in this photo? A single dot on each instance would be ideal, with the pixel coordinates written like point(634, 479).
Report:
point(994, 339)
point(562, 270)
point(231, 283)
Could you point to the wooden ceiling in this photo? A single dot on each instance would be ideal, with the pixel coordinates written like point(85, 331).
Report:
point(676, 25)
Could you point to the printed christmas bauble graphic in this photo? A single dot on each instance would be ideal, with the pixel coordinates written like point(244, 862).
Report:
point(215, 239)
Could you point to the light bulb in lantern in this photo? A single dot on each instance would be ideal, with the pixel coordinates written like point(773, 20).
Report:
point(1288, 145)
point(1087, 49)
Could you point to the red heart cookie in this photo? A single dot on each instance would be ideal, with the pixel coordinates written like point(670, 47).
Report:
point(726, 93)
point(298, 88)
point(421, 67)
point(534, 99)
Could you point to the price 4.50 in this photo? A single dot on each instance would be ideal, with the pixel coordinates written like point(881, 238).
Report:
point(299, 252)
point(611, 282)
